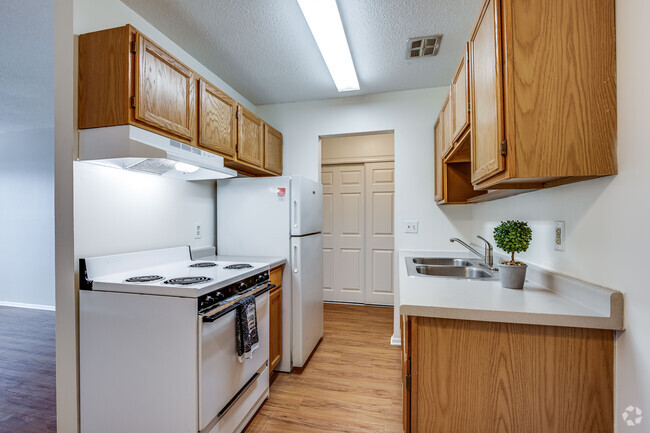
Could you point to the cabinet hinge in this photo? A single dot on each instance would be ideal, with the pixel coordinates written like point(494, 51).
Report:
point(133, 47)
point(237, 148)
point(503, 147)
point(408, 382)
point(469, 107)
point(132, 101)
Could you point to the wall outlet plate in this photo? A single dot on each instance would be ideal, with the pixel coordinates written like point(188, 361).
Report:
point(559, 236)
point(198, 230)
point(411, 226)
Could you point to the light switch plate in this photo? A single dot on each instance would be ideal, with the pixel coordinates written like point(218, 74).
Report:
point(559, 235)
point(411, 226)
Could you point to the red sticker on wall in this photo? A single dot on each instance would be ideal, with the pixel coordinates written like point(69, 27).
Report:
point(282, 192)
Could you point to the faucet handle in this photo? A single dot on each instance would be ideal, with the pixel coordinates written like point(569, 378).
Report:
point(484, 240)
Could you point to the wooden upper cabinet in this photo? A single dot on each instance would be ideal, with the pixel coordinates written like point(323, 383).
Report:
point(543, 93)
point(217, 120)
point(250, 136)
point(127, 79)
point(272, 149)
point(164, 90)
point(124, 78)
point(486, 93)
point(446, 118)
point(438, 139)
point(460, 99)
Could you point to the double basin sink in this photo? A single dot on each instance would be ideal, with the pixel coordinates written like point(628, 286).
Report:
point(448, 267)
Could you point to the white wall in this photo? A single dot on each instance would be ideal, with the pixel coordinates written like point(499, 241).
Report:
point(27, 217)
point(67, 414)
point(410, 114)
point(607, 220)
point(119, 211)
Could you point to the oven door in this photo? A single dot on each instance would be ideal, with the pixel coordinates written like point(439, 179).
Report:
point(221, 375)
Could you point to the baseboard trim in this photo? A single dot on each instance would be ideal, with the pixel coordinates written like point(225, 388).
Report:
point(30, 306)
point(395, 341)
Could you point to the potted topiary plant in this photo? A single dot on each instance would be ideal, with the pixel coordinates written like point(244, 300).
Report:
point(513, 237)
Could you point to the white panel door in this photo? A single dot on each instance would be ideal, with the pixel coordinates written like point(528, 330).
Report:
point(344, 233)
point(380, 256)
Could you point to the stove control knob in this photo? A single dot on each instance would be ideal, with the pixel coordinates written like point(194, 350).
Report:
point(219, 296)
point(241, 287)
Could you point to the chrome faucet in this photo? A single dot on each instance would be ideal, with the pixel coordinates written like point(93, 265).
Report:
point(487, 256)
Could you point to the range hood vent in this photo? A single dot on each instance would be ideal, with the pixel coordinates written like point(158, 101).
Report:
point(132, 148)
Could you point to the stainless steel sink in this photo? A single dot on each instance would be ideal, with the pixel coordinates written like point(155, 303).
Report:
point(442, 261)
point(453, 271)
point(449, 267)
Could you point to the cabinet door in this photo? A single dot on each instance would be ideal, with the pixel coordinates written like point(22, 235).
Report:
point(447, 125)
point(217, 120)
point(405, 330)
point(486, 93)
point(460, 99)
point(249, 137)
point(272, 149)
point(438, 137)
point(275, 328)
point(164, 90)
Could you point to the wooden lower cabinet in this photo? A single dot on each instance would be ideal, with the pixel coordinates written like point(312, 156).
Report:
point(275, 319)
point(482, 377)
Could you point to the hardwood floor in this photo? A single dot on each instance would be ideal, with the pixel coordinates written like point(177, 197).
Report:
point(351, 384)
point(27, 371)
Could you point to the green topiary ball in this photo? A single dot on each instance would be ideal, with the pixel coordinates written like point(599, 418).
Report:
point(513, 237)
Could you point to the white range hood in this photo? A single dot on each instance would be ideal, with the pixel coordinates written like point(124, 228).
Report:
point(132, 148)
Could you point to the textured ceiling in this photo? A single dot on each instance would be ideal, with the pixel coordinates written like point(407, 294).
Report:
point(265, 50)
point(27, 66)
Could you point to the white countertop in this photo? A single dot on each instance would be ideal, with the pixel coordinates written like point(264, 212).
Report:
point(208, 254)
point(466, 299)
point(273, 262)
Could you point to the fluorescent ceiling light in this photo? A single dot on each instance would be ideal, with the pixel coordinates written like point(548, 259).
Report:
point(325, 24)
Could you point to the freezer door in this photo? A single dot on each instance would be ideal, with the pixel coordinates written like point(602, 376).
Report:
point(307, 281)
point(306, 206)
point(253, 216)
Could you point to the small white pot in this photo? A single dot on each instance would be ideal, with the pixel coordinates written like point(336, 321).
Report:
point(512, 276)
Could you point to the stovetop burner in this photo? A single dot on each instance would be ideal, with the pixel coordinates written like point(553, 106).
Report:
point(144, 279)
point(238, 266)
point(203, 265)
point(186, 281)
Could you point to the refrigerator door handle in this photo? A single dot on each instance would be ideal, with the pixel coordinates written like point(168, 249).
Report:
point(295, 214)
point(294, 259)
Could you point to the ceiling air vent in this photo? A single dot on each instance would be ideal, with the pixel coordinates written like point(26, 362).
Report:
point(423, 46)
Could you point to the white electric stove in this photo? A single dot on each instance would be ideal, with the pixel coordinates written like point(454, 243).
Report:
point(157, 343)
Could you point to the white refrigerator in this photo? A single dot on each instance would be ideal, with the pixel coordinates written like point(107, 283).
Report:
point(280, 217)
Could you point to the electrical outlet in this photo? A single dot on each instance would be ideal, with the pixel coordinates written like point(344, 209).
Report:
point(198, 230)
point(559, 236)
point(410, 226)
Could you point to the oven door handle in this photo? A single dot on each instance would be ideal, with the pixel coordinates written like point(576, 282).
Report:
point(221, 311)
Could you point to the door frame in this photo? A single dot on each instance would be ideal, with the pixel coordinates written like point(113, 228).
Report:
point(363, 160)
